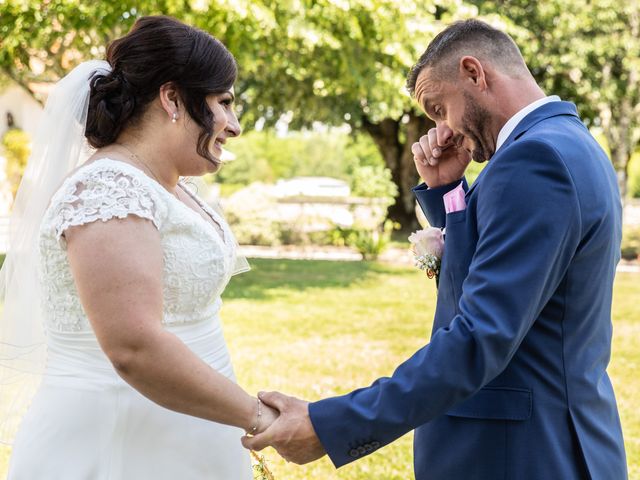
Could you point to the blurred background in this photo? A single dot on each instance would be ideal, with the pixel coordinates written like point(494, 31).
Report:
point(323, 173)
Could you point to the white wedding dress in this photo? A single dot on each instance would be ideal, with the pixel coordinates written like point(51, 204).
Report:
point(85, 422)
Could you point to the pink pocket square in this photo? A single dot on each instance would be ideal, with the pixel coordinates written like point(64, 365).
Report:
point(454, 200)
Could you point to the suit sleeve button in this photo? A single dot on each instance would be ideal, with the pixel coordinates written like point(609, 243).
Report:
point(375, 445)
point(353, 453)
point(362, 450)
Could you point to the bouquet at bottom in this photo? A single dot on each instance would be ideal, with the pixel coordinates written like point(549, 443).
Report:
point(427, 246)
point(261, 471)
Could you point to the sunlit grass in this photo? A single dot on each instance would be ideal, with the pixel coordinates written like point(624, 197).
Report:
point(625, 364)
point(317, 328)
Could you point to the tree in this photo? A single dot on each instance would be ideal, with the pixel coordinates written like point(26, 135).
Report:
point(40, 41)
point(587, 51)
point(314, 60)
point(345, 61)
point(607, 58)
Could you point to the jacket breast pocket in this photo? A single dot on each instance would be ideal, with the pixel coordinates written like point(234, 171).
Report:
point(496, 403)
point(455, 217)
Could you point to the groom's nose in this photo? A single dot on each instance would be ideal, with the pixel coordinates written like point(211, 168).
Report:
point(443, 133)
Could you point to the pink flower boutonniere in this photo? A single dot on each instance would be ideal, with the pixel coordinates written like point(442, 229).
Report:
point(427, 246)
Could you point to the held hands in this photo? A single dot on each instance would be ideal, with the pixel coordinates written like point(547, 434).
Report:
point(265, 415)
point(438, 159)
point(291, 434)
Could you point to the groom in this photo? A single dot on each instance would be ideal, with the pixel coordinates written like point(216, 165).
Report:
point(513, 384)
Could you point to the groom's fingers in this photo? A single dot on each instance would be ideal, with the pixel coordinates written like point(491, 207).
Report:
point(418, 154)
point(274, 399)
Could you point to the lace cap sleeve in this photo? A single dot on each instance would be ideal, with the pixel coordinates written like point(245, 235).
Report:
point(106, 192)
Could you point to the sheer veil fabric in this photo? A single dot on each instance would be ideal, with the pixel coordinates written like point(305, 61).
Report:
point(58, 148)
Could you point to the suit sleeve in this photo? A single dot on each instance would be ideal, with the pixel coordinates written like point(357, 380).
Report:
point(430, 201)
point(528, 228)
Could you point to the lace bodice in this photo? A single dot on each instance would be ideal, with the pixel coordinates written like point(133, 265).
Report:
point(198, 261)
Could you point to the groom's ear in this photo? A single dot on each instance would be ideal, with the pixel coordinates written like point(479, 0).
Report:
point(472, 72)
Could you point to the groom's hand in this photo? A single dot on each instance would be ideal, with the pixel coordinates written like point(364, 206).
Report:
point(439, 157)
point(292, 434)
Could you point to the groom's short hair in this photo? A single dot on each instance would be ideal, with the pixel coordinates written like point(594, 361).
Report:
point(468, 37)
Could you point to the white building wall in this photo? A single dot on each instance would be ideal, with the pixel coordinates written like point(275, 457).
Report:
point(25, 109)
point(26, 112)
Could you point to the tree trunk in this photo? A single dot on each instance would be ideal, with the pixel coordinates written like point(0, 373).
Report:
point(618, 127)
point(620, 159)
point(394, 139)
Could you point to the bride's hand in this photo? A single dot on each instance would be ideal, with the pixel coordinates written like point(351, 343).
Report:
point(267, 417)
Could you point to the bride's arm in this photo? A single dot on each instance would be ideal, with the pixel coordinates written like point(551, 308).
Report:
point(118, 269)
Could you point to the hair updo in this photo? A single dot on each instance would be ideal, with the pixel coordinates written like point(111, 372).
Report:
point(156, 51)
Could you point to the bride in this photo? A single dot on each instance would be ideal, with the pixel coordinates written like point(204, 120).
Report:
point(131, 264)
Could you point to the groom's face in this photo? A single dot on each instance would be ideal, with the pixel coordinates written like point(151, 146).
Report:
point(459, 118)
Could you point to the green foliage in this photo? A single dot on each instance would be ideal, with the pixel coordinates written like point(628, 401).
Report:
point(16, 148)
point(473, 170)
point(588, 51)
point(257, 231)
point(310, 61)
point(333, 62)
point(353, 158)
point(373, 181)
point(369, 242)
point(634, 176)
point(339, 62)
point(260, 468)
point(264, 157)
point(317, 59)
point(631, 243)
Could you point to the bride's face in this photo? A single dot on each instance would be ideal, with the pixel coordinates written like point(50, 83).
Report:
point(225, 122)
point(225, 125)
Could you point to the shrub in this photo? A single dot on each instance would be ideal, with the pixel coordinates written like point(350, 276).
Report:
point(373, 182)
point(633, 181)
point(631, 243)
point(246, 213)
point(305, 231)
point(370, 243)
point(16, 148)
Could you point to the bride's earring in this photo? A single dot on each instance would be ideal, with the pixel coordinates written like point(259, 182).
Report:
point(174, 117)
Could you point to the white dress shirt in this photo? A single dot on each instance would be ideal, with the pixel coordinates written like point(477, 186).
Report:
point(513, 122)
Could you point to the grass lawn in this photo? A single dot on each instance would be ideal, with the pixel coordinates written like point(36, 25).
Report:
point(318, 328)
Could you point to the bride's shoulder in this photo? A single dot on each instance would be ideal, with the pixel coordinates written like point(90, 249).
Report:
point(101, 174)
point(104, 188)
point(105, 167)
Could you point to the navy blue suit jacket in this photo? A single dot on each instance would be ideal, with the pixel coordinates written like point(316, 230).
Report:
point(513, 383)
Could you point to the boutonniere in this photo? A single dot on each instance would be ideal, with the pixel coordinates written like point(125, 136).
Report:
point(427, 246)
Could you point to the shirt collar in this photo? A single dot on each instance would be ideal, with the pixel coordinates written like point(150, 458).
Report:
point(513, 122)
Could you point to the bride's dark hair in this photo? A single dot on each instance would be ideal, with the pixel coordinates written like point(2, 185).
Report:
point(156, 51)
